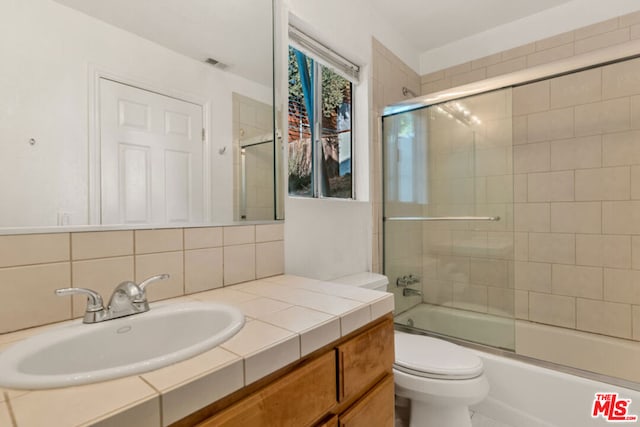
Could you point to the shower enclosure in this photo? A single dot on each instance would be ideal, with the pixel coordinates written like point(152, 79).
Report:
point(448, 217)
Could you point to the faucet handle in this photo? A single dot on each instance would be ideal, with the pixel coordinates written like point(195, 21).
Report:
point(143, 286)
point(148, 281)
point(95, 309)
point(94, 300)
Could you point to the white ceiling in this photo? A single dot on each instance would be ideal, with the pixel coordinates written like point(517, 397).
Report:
point(429, 24)
point(238, 32)
point(234, 32)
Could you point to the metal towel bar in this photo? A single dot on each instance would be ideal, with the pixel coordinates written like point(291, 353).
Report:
point(442, 218)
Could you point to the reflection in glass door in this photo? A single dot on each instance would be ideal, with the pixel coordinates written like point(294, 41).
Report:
point(256, 181)
point(448, 207)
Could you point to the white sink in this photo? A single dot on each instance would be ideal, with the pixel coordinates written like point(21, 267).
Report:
point(80, 353)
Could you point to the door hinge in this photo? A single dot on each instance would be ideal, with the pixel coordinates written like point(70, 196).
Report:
point(204, 135)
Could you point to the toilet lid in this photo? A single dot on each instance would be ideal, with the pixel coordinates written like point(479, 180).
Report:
point(434, 358)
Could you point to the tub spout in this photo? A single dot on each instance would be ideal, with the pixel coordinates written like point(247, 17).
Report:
point(407, 292)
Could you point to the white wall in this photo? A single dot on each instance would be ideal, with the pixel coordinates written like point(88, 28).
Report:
point(557, 20)
point(325, 239)
point(47, 51)
point(328, 238)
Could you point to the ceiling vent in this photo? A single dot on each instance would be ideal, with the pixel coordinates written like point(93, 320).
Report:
point(216, 63)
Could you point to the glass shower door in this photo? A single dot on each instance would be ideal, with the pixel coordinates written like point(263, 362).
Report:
point(448, 207)
point(256, 181)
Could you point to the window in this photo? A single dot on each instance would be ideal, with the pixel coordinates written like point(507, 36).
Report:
point(320, 125)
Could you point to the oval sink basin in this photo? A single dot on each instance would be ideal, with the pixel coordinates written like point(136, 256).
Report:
point(80, 353)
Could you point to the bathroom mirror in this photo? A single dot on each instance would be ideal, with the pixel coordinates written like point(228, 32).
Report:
point(135, 112)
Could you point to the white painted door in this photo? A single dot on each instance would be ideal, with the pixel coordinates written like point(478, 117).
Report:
point(151, 157)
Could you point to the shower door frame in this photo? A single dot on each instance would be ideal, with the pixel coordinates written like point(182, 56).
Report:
point(585, 61)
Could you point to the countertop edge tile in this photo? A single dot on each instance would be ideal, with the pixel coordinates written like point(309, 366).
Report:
point(382, 306)
point(309, 341)
point(24, 407)
point(354, 319)
point(263, 363)
point(145, 413)
point(189, 397)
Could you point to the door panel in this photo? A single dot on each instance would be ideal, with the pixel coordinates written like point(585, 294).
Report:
point(151, 157)
point(135, 186)
point(178, 186)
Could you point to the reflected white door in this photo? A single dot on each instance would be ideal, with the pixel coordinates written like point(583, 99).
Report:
point(151, 157)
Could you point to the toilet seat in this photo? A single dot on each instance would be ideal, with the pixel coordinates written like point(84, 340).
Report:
point(428, 357)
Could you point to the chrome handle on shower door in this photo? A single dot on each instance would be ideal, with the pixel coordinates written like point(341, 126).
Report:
point(442, 218)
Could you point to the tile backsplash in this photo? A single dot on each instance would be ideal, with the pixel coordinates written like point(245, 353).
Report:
point(32, 266)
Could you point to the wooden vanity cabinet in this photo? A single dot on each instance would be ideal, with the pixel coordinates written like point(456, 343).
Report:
point(364, 360)
point(374, 408)
point(287, 400)
point(347, 384)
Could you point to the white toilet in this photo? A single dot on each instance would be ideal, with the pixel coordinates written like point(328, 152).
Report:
point(440, 379)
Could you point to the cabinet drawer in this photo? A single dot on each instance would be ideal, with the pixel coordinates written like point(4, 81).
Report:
point(365, 359)
point(375, 409)
point(331, 422)
point(298, 399)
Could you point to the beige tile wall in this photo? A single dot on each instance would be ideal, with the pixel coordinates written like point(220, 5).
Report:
point(598, 36)
point(576, 188)
point(580, 215)
point(198, 259)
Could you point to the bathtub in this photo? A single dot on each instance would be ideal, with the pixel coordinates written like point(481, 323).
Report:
point(487, 329)
point(525, 395)
point(521, 394)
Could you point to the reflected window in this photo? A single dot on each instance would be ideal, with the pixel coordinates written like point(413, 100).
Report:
point(406, 135)
point(406, 159)
point(319, 129)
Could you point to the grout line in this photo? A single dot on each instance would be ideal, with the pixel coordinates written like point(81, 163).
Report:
point(160, 400)
point(70, 247)
point(34, 264)
point(10, 409)
point(184, 264)
point(71, 284)
point(135, 255)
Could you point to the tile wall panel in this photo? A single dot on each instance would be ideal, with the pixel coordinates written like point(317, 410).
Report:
point(33, 266)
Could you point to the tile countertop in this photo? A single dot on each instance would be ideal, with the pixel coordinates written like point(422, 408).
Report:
point(287, 317)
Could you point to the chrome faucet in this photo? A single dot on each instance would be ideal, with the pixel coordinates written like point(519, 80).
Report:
point(407, 280)
point(128, 298)
point(408, 292)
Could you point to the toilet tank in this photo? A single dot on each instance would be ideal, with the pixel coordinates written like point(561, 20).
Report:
point(367, 280)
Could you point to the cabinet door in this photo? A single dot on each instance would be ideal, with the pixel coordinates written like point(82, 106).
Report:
point(365, 359)
point(298, 399)
point(375, 409)
point(331, 422)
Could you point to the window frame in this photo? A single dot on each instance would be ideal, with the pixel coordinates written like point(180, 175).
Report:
point(349, 72)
